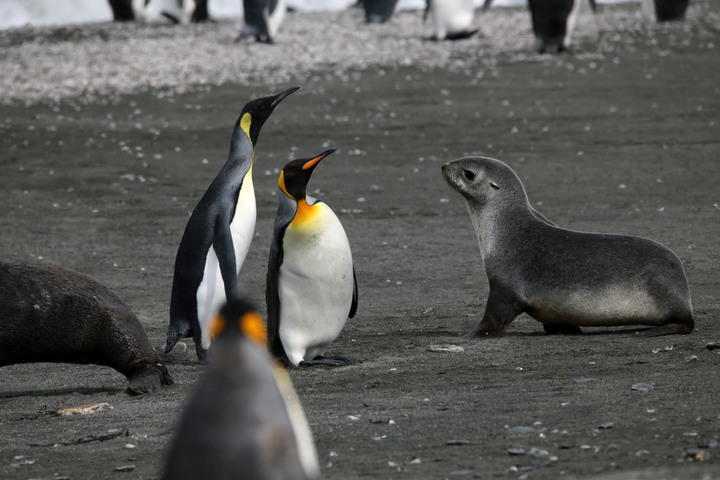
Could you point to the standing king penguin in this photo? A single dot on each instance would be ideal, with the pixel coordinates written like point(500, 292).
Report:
point(262, 19)
point(452, 19)
point(311, 285)
point(244, 419)
point(218, 235)
point(665, 10)
point(553, 21)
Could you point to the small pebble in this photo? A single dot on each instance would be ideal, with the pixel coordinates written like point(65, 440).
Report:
point(125, 468)
point(519, 430)
point(446, 348)
point(643, 387)
point(605, 426)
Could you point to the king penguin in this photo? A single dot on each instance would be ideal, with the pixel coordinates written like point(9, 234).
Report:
point(311, 286)
point(664, 10)
point(378, 11)
point(244, 419)
point(218, 235)
point(262, 19)
point(452, 19)
point(553, 21)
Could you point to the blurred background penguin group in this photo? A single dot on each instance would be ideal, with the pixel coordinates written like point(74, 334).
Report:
point(552, 21)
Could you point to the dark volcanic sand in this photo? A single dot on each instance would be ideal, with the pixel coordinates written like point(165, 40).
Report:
point(626, 143)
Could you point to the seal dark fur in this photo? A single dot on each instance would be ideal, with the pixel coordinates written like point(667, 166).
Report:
point(563, 278)
point(51, 314)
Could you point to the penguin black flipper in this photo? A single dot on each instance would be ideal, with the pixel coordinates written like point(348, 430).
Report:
point(225, 250)
point(353, 306)
point(286, 212)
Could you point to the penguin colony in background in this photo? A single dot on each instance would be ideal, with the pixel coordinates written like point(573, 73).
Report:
point(552, 21)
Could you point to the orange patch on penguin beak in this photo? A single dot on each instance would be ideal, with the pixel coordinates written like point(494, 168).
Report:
point(312, 162)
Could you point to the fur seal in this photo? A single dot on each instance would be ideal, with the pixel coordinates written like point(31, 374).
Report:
point(563, 278)
point(52, 314)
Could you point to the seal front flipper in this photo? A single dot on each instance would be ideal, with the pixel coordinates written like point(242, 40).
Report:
point(501, 309)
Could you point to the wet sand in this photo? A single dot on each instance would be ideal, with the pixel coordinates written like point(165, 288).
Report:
point(621, 137)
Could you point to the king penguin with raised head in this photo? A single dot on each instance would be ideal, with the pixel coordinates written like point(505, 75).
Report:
point(218, 235)
point(244, 419)
point(311, 285)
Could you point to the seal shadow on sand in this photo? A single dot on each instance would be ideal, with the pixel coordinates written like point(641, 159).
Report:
point(50, 392)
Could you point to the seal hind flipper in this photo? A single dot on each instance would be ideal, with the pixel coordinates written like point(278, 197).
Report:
point(669, 329)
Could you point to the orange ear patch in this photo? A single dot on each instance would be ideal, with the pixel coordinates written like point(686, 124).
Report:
point(253, 326)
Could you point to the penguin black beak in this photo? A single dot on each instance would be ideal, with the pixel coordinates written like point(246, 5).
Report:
point(279, 97)
point(310, 164)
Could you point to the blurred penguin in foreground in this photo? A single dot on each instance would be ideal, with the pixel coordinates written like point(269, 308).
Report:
point(244, 419)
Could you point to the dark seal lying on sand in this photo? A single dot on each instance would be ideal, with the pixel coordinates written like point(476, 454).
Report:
point(51, 314)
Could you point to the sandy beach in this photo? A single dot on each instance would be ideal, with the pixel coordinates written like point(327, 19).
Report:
point(111, 133)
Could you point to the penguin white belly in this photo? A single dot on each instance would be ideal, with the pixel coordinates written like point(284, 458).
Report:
point(211, 292)
point(648, 10)
point(571, 22)
point(451, 16)
point(276, 17)
point(315, 286)
point(242, 226)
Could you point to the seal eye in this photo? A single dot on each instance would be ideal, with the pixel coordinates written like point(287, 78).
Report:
point(494, 185)
point(469, 175)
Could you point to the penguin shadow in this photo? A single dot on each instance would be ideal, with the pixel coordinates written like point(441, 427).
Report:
point(53, 392)
point(181, 354)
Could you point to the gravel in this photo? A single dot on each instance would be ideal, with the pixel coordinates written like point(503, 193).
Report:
point(49, 64)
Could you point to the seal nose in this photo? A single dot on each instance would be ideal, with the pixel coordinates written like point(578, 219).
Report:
point(444, 166)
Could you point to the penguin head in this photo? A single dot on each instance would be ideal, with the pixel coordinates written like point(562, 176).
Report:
point(256, 112)
point(296, 175)
point(239, 318)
